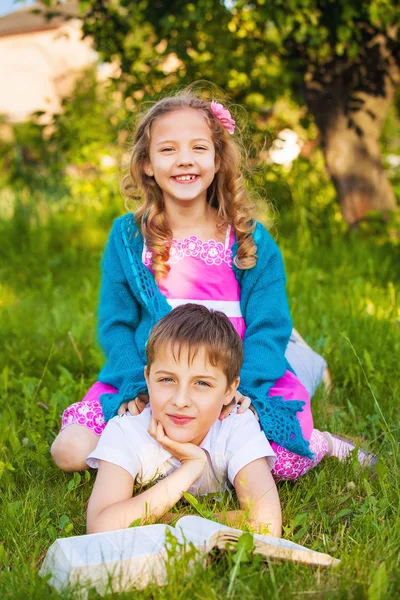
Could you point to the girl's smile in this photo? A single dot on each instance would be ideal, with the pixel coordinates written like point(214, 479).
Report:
point(185, 178)
point(182, 156)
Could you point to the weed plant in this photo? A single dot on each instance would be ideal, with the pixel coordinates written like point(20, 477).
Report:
point(344, 293)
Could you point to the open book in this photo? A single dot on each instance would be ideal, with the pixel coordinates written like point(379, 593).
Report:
point(118, 560)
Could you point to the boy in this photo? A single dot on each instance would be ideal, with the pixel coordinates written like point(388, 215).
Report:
point(194, 358)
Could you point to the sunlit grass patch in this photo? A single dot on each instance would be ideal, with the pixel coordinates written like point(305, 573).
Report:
point(7, 296)
point(344, 298)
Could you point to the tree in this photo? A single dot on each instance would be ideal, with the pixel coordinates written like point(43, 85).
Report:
point(343, 56)
point(340, 57)
point(348, 55)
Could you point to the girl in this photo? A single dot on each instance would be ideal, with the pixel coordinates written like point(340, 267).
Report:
point(194, 240)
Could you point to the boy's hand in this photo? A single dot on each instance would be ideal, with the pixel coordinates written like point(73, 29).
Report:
point(185, 452)
point(134, 407)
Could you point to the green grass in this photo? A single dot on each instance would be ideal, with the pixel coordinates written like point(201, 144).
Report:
point(344, 293)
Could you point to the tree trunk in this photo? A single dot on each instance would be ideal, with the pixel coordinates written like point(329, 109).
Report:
point(350, 141)
point(354, 163)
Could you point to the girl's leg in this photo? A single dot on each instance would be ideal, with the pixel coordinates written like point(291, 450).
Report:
point(310, 367)
point(82, 424)
point(289, 387)
point(71, 447)
point(293, 466)
point(289, 465)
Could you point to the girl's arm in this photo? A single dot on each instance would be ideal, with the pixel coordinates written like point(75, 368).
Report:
point(111, 505)
point(258, 497)
point(267, 316)
point(268, 327)
point(118, 318)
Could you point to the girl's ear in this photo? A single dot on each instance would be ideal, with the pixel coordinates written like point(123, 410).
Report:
point(146, 375)
point(147, 168)
point(217, 164)
point(230, 391)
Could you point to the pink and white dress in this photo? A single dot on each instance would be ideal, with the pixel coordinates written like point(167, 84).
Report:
point(201, 272)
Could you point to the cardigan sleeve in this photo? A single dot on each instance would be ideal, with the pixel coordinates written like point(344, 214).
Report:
point(268, 321)
point(118, 318)
point(268, 326)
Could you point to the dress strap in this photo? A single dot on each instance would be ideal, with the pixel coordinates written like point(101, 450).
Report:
point(227, 236)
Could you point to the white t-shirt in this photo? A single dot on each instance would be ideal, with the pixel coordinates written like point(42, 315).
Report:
point(230, 445)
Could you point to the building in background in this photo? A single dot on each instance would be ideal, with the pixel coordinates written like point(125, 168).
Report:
point(40, 60)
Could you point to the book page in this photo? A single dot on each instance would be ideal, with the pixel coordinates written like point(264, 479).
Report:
point(92, 549)
point(122, 574)
point(118, 544)
point(116, 556)
point(206, 534)
point(199, 530)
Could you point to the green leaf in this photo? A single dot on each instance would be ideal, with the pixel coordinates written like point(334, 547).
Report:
point(379, 584)
point(52, 533)
point(64, 520)
point(342, 513)
point(381, 469)
point(207, 514)
point(69, 528)
point(368, 488)
point(14, 441)
point(4, 376)
point(136, 522)
point(244, 548)
point(74, 482)
point(343, 33)
point(368, 362)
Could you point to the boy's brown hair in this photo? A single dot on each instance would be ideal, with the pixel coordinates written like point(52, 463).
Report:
point(193, 326)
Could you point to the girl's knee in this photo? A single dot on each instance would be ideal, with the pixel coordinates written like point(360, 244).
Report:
point(70, 449)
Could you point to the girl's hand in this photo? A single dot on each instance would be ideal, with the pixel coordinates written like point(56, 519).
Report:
point(184, 452)
point(134, 407)
point(244, 403)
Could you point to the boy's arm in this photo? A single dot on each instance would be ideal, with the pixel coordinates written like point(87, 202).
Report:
point(111, 505)
point(258, 497)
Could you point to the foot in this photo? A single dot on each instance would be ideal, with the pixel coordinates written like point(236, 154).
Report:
point(327, 379)
point(342, 449)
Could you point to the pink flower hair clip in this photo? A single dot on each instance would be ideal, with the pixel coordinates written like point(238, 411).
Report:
point(223, 115)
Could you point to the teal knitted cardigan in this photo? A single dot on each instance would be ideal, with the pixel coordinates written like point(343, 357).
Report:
point(131, 303)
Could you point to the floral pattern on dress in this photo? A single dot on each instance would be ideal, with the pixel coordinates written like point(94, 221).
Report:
point(192, 246)
point(86, 412)
point(292, 466)
point(147, 257)
point(211, 252)
point(176, 253)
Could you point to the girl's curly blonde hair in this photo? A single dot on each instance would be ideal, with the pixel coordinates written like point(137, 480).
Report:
point(227, 193)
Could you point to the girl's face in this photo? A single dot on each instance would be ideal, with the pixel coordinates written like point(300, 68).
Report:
point(182, 156)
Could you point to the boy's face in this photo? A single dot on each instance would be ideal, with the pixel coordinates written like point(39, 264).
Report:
point(187, 397)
